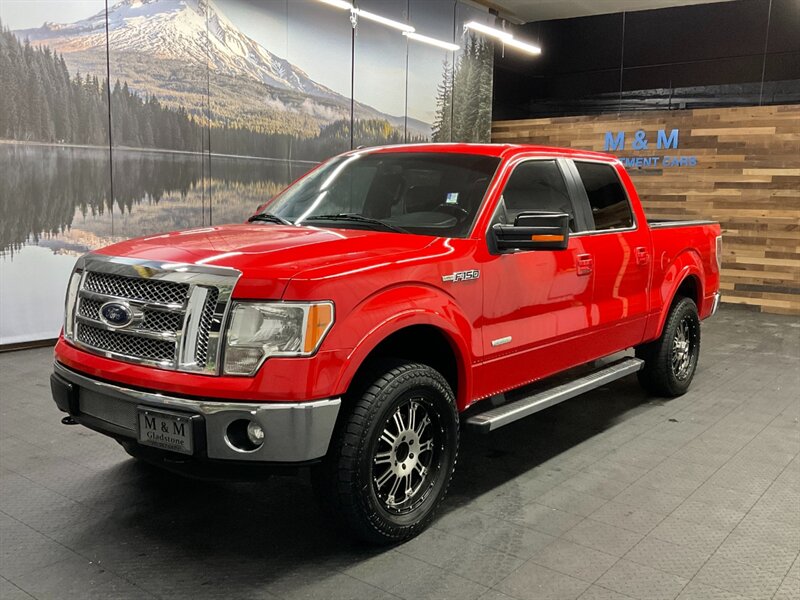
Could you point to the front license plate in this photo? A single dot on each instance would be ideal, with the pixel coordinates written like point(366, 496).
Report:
point(168, 431)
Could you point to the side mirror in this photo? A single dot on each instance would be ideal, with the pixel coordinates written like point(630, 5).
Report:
point(533, 231)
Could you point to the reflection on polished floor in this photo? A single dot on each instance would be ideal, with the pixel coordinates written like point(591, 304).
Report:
point(611, 495)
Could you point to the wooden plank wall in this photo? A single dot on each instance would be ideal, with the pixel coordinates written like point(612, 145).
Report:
point(747, 177)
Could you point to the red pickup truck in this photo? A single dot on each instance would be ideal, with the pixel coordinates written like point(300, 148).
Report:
point(379, 303)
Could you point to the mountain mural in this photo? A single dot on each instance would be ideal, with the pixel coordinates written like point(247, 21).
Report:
point(185, 51)
point(184, 120)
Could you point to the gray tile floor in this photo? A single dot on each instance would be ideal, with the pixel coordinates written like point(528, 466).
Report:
point(612, 495)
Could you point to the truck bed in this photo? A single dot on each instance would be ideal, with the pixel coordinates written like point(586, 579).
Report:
point(666, 223)
point(676, 242)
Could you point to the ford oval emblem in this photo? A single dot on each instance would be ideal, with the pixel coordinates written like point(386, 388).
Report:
point(116, 314)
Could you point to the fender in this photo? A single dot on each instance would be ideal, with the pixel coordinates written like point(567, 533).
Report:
point(376, 318)
point(686, 264)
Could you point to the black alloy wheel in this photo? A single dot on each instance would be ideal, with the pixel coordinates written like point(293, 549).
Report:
point(393, 454)
point(670, 361)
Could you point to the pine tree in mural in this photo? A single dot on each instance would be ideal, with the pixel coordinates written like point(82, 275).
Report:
point(483, 124)
point(39, 100)
point(464, 99)
point(442, 129)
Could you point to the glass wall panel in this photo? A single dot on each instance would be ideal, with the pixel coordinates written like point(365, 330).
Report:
point(430, 72)
point(380, 75)
point(472, 78)
point(321, 44)
point(251, 96)
point(159, 113)
point(54, 156)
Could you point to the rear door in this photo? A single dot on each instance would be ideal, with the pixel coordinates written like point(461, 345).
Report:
point(618, 249)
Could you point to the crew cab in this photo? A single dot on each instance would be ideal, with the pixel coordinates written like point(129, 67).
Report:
point(379, 304)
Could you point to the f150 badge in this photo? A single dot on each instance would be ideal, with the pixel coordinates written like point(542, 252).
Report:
point(462, 276)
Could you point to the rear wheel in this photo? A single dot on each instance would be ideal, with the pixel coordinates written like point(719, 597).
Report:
point(671, 360)
point(391, 461)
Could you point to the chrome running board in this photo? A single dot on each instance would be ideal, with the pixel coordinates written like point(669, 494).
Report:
point(494, 418)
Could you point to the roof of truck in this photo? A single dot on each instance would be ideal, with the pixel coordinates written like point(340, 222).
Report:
point(499, 150)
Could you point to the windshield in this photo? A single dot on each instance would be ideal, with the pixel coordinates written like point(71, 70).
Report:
point(429, 193)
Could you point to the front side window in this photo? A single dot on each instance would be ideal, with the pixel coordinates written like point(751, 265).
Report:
point(536, 186)
point(428, 193)
point(607, 197)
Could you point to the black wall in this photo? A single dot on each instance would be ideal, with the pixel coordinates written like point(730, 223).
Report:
point(745, 52)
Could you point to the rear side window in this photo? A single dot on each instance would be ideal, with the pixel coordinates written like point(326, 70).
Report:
point(607, 197)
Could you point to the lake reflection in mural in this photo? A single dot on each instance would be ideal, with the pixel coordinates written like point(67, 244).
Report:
point(56, 204)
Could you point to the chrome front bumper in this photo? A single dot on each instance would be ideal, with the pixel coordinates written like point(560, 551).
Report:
point(294, 431)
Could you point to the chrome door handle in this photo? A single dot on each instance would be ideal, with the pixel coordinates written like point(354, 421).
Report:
point(642, 256)
point(585, 264)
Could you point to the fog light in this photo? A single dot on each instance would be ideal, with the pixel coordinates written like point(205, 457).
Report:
point(255, 433)
point(244, 435)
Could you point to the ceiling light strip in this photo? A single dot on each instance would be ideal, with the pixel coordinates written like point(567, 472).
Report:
point(408, 30)
point(529, 48)
point(338, 4)
point(432, 41)
point(490, 31)
point(504, 36)
point(383, 20)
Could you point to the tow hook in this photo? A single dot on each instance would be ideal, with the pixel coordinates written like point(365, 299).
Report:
point(68, 420)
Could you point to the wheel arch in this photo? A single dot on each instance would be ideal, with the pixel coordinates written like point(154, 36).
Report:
point(682, 279)
point(690, 288)
point(421, 337)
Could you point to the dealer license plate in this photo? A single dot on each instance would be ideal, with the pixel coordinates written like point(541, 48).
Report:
point(168, 431)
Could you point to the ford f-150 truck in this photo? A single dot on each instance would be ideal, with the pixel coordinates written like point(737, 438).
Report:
point(380, 303)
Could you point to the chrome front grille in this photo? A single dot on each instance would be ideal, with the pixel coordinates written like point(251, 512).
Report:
point(174, 313)
point(206, 321)
point(152, 319)
point(89, 308)
point(159, 320)
point(131, 288)
point(126, 344)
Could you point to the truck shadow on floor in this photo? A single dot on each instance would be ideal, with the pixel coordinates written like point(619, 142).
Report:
point(249, 535)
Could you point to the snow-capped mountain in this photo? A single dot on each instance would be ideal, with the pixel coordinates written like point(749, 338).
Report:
point(176, 29)
point(149, 39)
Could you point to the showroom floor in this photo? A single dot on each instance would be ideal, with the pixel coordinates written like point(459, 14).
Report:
point(612, 495)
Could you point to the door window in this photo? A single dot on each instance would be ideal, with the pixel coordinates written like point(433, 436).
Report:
point(607, 198)
point(536, 185)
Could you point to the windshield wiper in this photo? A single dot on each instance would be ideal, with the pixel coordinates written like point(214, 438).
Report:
point(356, 218)
point(269, 218)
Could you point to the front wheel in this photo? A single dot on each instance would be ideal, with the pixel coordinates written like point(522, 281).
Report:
point(671, 360)
point(392, 458)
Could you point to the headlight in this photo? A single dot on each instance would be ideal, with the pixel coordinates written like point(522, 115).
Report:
point(70, 302)
point(259, 330)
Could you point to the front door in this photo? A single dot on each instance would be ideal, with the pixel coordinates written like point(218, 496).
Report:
point(535, 301)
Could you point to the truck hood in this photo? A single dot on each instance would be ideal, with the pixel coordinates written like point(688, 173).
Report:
point(268, 255)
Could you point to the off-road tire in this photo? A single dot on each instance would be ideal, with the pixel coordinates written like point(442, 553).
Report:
point(659, 375)
point(346, 481)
